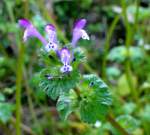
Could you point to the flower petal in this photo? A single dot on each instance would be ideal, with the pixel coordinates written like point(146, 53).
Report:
point(30, 31)
point(79, 24)
point(51, 31)
point(84, 35)
point(76, 36)
point(65, 56)
point(24, 23)
point(79, 32)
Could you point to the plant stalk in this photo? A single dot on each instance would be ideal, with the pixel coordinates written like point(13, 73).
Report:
point(116, 125)
point(18, 88)
point(107, 45)
point(128, 42)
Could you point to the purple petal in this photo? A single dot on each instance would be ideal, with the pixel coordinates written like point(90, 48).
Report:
point(65, 56)
point(51, 31)
point(49, 27)
point(30, 31)
point(79, 24)
point(76, 35)
point(24, 23)
point(79, 32)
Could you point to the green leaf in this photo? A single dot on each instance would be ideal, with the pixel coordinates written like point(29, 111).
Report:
point(96, 99)
point(129, 108)
point(66, 104)
point(79, 54)
point(113, 72)
point(128, 122)
point(120, 54)
point(58, 83)
point(145, 114)
point(6, 110)
point(123, 85)
point(143, 12)
point(2, 97)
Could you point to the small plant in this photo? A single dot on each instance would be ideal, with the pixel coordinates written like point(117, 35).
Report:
point(61, 79)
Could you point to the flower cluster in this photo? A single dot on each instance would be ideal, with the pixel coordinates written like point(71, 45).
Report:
point(64, 53)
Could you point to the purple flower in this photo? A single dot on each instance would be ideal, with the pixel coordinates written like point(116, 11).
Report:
point(65, 57)
point(52, 38)
point(64, 54)
point(30, 31)
point(79, 32)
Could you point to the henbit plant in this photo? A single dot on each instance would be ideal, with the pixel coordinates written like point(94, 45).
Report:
point(86, 95)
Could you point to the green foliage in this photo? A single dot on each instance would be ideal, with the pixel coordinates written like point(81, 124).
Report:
point(67, 103)
point(120, 54)
point(112, 72)
point(58, 83)
point(95, 99)
point(143, 13)
point(6, 109)
point(5, 112)
point(146, 113)
point(123, 85)
point(79, 54)
point(127, 122)
point(2, 97)
point(129, 108)
point(92, 100)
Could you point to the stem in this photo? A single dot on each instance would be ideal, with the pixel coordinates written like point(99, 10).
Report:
point(136, 16)
point(18, 88)
point(24, 127)
point(18, 73)
point(10, 11)
point(106, 46)
point(129, 37)
point(116, 125)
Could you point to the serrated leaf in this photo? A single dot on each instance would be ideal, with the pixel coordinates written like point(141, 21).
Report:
point(66, 104)
point(6, 110)
point(58, 83)
point(96, 99)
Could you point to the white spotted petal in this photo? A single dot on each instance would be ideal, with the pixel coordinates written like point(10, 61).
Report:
point(84, 35)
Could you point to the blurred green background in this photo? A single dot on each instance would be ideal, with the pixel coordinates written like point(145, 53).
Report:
point(118, 51)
